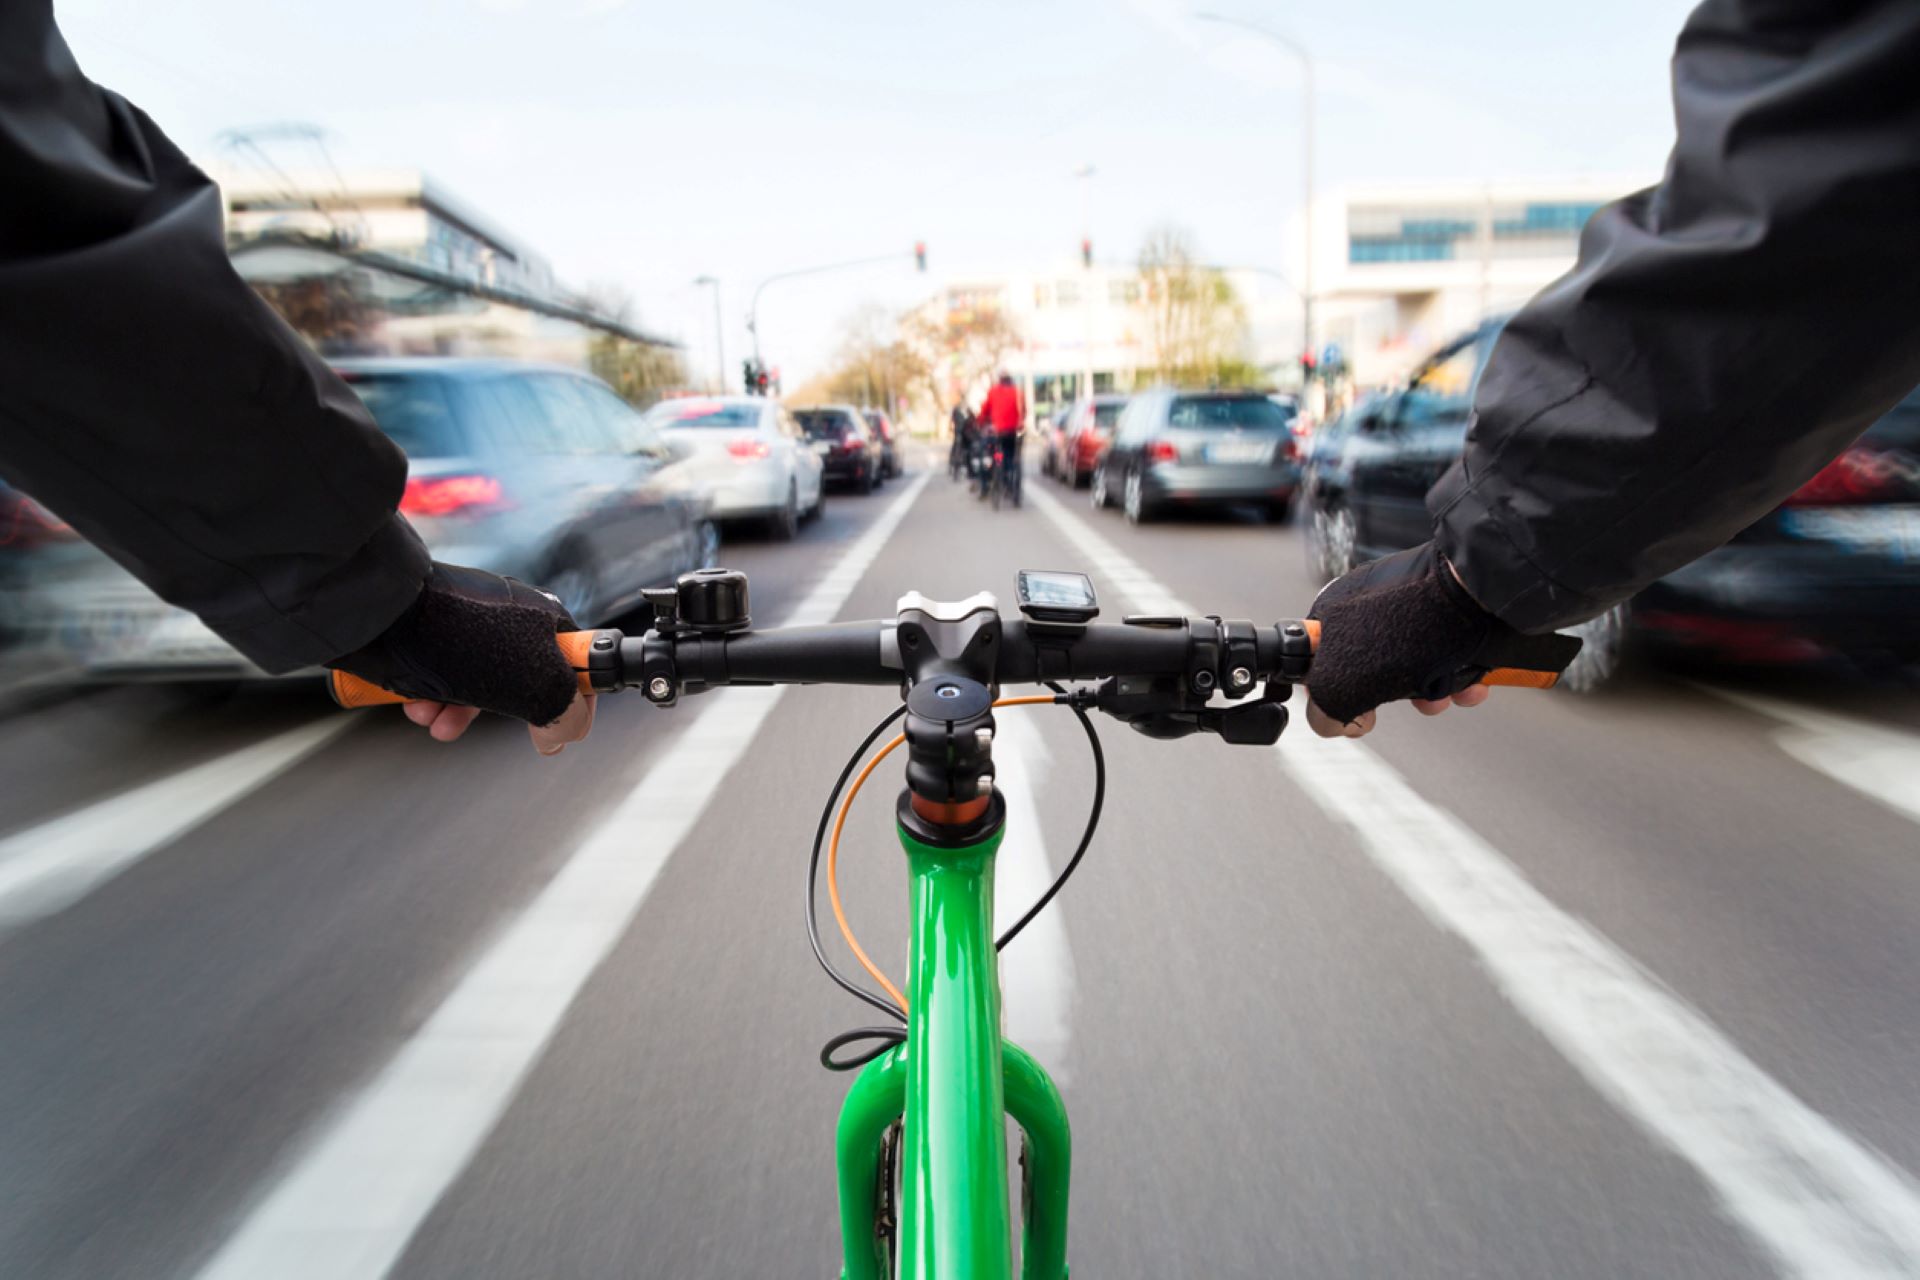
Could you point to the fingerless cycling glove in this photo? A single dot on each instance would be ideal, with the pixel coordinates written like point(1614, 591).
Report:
point(476, 639)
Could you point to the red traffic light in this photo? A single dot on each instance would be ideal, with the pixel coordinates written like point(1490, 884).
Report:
point(920, 255)
point(1086, 252)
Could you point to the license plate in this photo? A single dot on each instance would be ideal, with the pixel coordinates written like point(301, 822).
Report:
point(1891, 532)
point(822, 447)
point(1240, 451)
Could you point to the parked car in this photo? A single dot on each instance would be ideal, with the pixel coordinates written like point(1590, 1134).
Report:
point(1174, 448)
point(539, 472)
point(889, 437)
point(751, 456)
point(1833, 571)
point(848, 448)
point(1082, 438)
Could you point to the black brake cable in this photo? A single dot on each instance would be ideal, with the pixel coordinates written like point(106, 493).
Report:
point(846, 984)
point(1093, 819)
point(881, 1039)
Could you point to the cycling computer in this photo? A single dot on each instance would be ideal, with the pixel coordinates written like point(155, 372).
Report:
point(1051, 596)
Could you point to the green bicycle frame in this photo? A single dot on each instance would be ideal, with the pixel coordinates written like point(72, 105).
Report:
point(953, 1084)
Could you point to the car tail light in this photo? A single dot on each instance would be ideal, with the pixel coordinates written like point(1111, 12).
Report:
point(851, 441)
point(749, 450)
point(1162, 451)
point(1856, 476)
point(451, 495)
point(25, 523)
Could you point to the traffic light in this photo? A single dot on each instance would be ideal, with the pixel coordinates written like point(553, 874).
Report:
point(920, 255)
point(749, 377)
point(760, 383)
point(1308, 362)
point(1086, 252)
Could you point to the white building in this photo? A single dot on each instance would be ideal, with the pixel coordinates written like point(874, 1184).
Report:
point(1404, 267)
point(398, 212)
point(1075, 321)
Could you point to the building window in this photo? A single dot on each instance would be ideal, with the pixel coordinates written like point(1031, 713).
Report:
point(1123, 293)
point(1399, 249)
point(1042, 296)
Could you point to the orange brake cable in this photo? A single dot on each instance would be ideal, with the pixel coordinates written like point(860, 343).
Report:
point(833, 848)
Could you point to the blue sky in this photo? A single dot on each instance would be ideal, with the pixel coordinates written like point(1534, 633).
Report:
point(645, 144)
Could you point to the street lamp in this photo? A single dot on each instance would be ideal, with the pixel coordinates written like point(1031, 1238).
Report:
point(1085, 173)
point(719, 341)
point(1306, 65)
point(753, 303)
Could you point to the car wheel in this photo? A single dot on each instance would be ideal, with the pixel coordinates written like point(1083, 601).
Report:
point(863, 483)
point(1097, 488)
point(1601, 655)
point(706, 543)
point(784, 523)
point(1329, 541)
point(1134, 499)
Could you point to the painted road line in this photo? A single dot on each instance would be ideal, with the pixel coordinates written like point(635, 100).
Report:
point(1876, 760)
point(1142, 591)
point(1036, 972)
point(1822, 1203)
point(349, 1204)
point(49, 867)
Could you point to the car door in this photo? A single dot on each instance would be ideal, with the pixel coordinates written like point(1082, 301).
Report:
point(618, 518)
point(663, 503)
point(1419, 436)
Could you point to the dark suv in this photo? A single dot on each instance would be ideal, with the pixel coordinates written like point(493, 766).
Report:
point(1833, 571)
point(1198, 448)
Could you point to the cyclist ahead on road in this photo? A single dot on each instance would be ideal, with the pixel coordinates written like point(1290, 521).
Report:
point(1723, 335)
point(1003, 416)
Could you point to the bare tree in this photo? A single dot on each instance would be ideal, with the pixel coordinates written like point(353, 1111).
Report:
point(1195, 321)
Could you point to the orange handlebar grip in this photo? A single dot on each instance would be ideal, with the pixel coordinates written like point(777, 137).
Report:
point(353, 692)
point(1520, 678)
point(1313, 631)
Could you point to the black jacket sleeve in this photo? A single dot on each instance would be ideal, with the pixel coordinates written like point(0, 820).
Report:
point(1723, 334)
point(155, 403)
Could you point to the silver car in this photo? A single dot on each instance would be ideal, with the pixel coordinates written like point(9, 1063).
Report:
point(1186, 449)
point(539, 472)
point(749, 454)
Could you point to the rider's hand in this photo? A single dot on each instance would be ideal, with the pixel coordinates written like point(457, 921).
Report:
point(1400, 627)
point(475, 642)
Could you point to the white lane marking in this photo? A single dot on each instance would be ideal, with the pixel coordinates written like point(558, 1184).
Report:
point(1142, 591)
point(1036, 975)
point(49, 867)
point(348, 1206)
point(1875, 760)
point(1826, 1206)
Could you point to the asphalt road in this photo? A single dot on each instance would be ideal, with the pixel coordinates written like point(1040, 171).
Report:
point(1625, 986)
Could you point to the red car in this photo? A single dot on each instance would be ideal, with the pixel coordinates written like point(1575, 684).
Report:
point(1075, 449)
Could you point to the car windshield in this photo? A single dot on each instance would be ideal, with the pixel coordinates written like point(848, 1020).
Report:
point(412, 409)
point(1226, 412)
point(704, 413)
point(823, 424)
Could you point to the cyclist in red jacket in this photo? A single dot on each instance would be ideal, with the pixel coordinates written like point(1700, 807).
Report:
point(1003, 414)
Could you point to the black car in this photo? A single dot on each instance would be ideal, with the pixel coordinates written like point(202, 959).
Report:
point(850, 451)
point(1198, 448)
point(1833, 571)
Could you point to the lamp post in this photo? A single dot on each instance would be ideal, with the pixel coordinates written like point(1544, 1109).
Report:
point(1085, 173)
point(753, 304)
point(719, 341)
point(1306, 123)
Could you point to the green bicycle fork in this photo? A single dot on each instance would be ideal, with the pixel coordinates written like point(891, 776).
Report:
point(955, 1082)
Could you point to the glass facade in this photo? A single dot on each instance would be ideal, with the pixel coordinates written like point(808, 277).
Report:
point(1389, 233)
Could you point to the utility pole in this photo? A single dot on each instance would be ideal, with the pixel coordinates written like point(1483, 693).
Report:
point(1085, 173)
